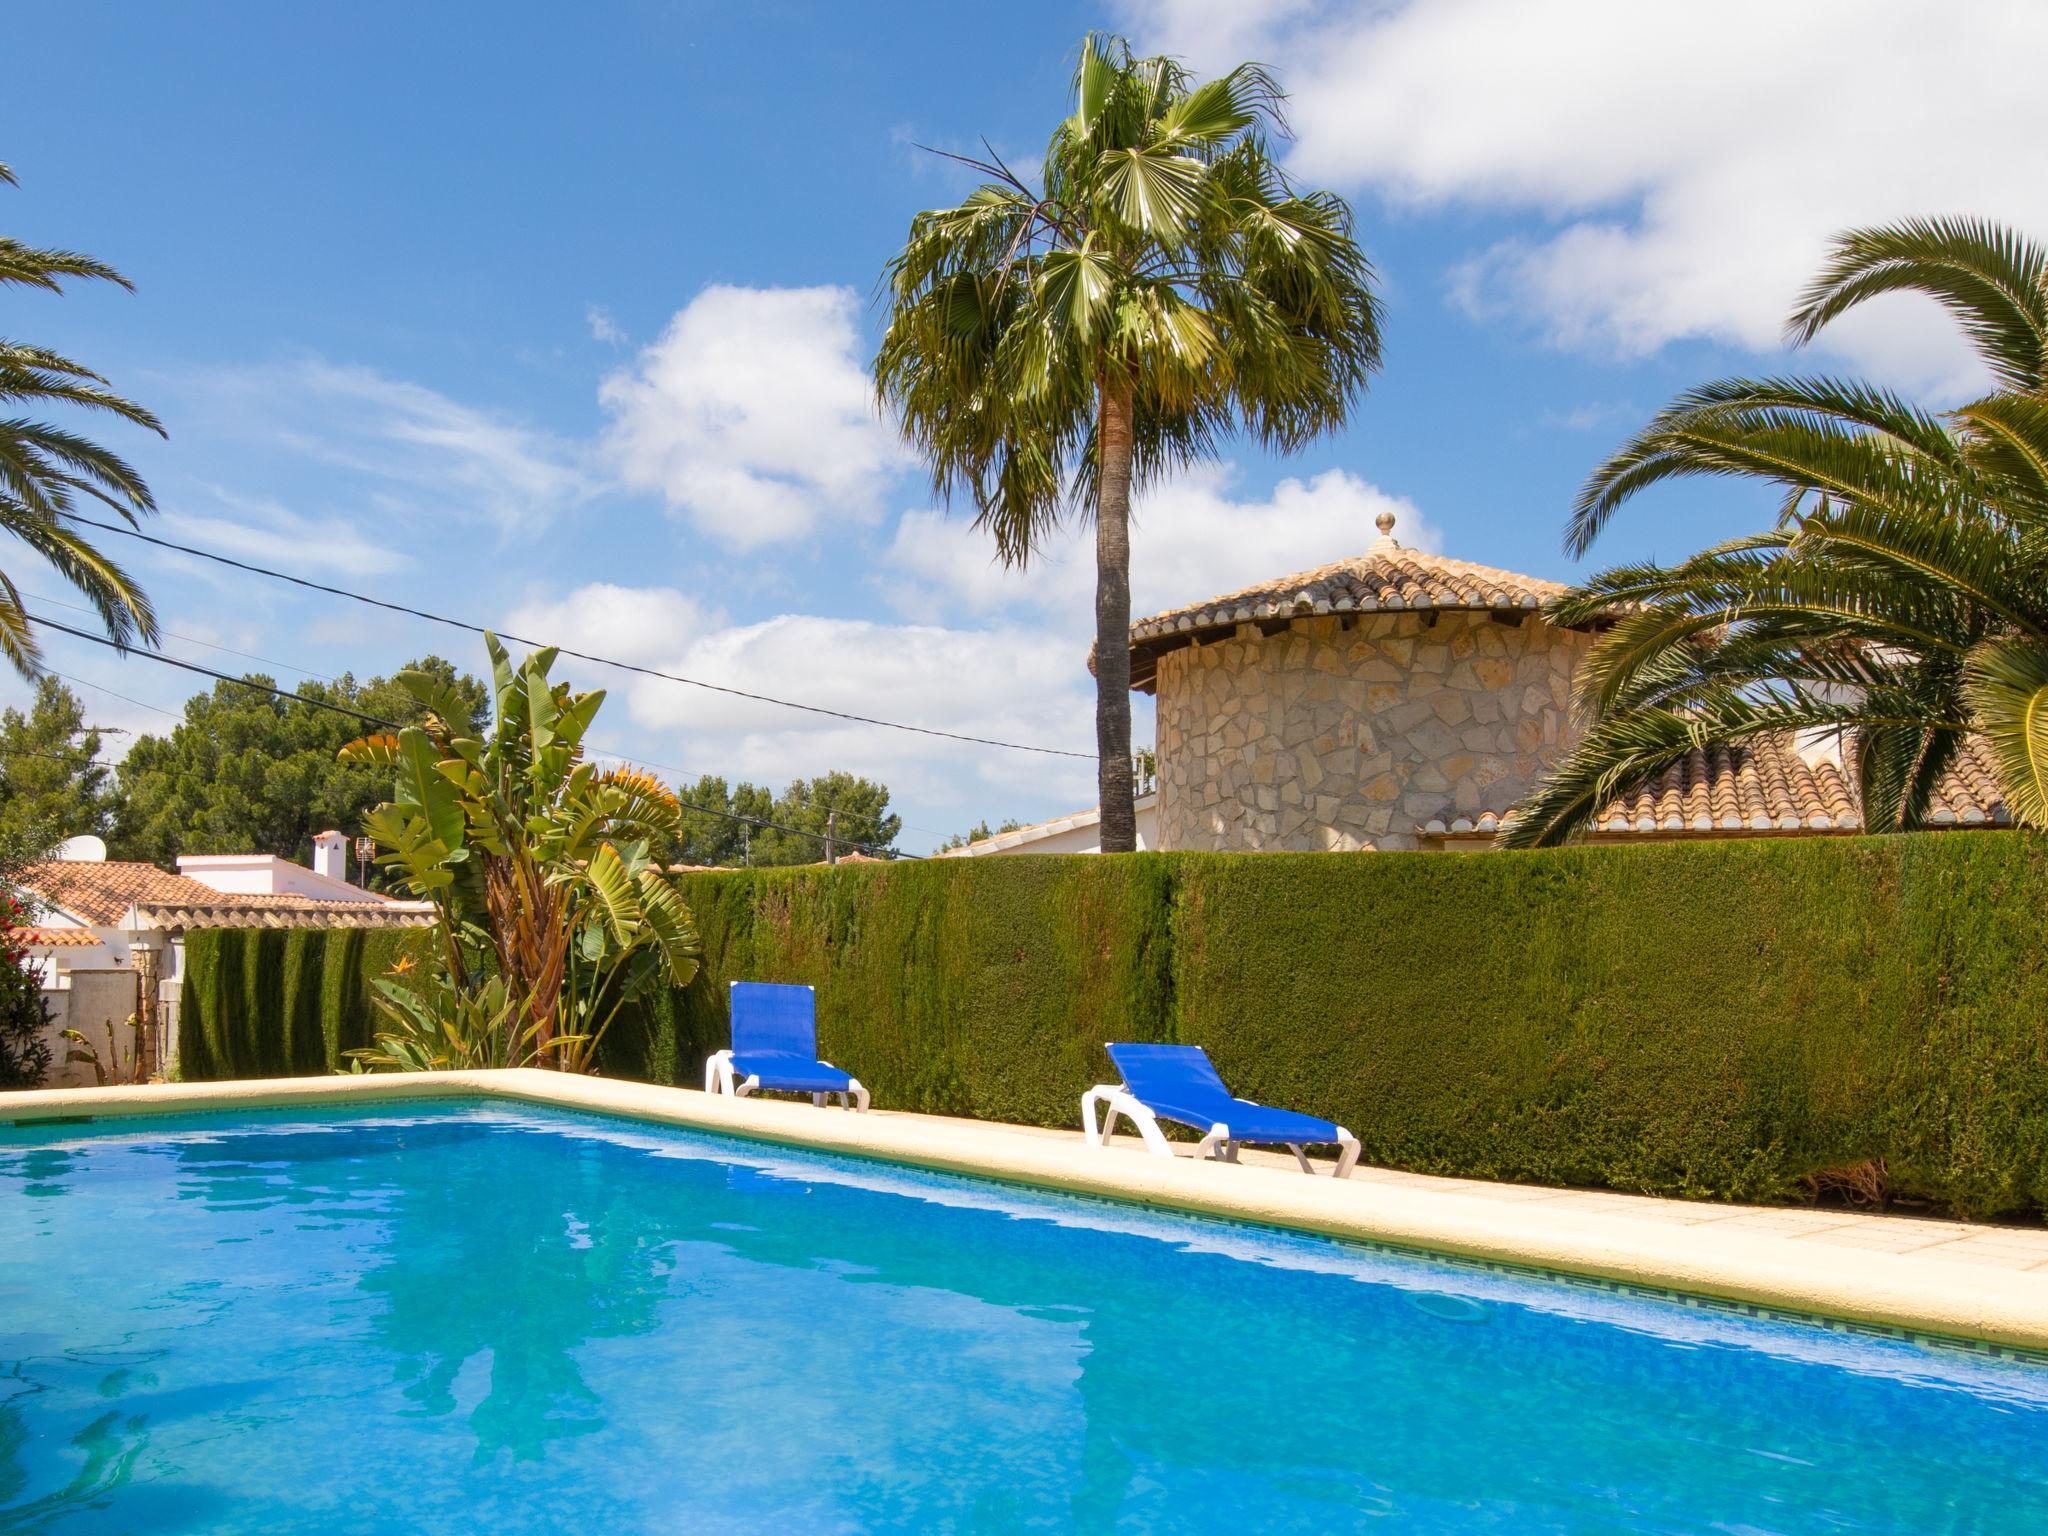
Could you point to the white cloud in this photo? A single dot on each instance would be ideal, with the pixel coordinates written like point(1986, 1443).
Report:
point(1191, 538)
point(1006, 682)
point(417, 452)
point(270, 533)
point(753, 416)
point(1687, 163)
point(643, 625)
point(603, 327)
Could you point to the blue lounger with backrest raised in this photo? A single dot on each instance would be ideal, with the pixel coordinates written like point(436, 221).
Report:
point(775, 1046)
point(1179, 1083)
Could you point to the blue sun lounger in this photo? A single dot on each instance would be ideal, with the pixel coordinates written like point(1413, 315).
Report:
point(775, 1046)
point(1179, 1083)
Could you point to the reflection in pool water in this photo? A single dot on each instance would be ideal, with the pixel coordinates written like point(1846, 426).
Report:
point(461, 1318)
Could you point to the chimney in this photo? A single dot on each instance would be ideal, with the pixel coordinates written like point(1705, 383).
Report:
point(330, 855)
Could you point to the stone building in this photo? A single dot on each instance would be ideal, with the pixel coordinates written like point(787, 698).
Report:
point(1399, 699)
point(1405, 700)
point(1355, 705)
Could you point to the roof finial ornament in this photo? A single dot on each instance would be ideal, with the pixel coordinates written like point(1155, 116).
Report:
point(1385, 523)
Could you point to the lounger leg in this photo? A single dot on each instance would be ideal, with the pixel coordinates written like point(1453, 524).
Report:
point(1114, 1101)
point(1217, 1144)
point(1347, 1153)
point(742, 1087)
point(1300, 1156)
point(718, 1072)
point(860, 1095)
point(1094, 1120)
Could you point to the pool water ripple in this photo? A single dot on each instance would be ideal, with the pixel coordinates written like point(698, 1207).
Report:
point(456, 1318)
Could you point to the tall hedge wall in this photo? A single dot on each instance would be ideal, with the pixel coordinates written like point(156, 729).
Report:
point(1702, 1019)
point(269, 1002)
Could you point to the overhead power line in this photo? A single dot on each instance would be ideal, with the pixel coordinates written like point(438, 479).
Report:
point(393, 725)
point(596, 749)
point(225, 677)
point(603, 661)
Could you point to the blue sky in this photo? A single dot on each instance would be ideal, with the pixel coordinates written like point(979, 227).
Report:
point(556, 318)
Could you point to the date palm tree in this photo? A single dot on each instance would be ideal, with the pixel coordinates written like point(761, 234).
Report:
point(1056, 343)
point(1902, 600)
point(45, 470)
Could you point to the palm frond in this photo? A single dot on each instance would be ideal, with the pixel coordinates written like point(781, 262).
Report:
point(2006, 686)
point(1991, 278)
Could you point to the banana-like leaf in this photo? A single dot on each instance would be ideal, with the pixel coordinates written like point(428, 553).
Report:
point(423, 786)
point(502, 675)
point(2006, 684)
point(576, 715)
point(540, 710)
point(674, 929)
point(437, 694)
point(411, 848)
point(380, 751)
point(612, 887)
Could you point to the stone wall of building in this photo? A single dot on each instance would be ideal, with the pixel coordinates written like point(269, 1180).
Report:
point(1353, 733)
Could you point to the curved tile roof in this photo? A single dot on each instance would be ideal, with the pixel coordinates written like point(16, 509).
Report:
point(1388, 578)
point(1767, 786)
point(101, 893)
point(56, 938)
point(1753, 787)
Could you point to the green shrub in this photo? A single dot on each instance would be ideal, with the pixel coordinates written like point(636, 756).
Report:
point(267, 1002)
point(1724, 1019)
point(24, 1047)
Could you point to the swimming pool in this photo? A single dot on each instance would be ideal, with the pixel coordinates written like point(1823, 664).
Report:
point(466, 1316)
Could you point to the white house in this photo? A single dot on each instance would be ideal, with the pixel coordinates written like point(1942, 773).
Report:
point(108, 935)
point(1077, 832)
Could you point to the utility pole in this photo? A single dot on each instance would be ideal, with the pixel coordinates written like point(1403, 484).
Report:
point(832, 837)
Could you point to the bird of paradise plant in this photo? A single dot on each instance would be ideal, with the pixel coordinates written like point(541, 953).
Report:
point(552, 913)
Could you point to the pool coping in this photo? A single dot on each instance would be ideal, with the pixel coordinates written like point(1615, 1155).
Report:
point(1889, 1290)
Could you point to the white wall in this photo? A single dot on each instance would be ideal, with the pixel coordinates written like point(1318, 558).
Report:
point(265, 874)
point(88, 1002)
point(1064, 835)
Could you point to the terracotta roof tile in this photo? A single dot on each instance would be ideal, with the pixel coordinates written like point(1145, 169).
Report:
point(1768, 786)
point(102, 893)
point(1759, 787)
point(1388, 578)
point(226, 911)
point(1968, 794)
point(54, 938)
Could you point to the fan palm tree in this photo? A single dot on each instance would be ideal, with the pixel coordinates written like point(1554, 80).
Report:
point(1902, 600)
point(1053, 347)
point(45, 469)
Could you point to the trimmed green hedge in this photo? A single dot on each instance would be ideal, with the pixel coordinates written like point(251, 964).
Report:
point(1716, 1018)
point(270, 1002)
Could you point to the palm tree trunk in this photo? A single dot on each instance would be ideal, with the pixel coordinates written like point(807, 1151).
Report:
point(1113, 621)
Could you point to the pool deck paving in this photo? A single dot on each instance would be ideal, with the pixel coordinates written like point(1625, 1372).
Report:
point(1972, 1281)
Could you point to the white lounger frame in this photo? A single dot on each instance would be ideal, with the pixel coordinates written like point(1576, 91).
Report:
point(1101, 1105)
point(719, 1077)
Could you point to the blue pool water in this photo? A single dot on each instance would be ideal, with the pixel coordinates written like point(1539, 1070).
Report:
point(464, 1318)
